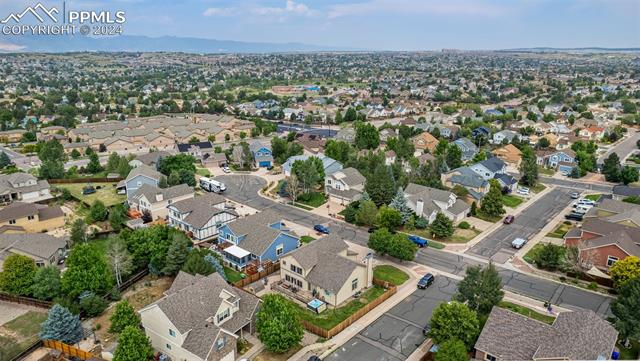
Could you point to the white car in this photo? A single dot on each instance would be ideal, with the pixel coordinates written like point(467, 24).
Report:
point(518, 243)
point(226, 169)
point(523, 191)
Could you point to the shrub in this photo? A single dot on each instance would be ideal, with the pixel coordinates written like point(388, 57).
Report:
point(592, 286)
point(93, 305)
point(464, 225)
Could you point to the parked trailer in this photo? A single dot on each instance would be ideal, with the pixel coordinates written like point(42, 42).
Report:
point(212, 185)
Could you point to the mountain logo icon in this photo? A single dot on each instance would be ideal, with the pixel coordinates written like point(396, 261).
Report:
point(39, 11)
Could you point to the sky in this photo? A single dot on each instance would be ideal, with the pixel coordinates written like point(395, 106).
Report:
point(381, 24)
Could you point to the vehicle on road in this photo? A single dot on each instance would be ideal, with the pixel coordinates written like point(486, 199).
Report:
point(508, 219)
point(321, 228)
point(419, 241)
point(426, 281)
point(226, 169)
point(523, 191)
point(212, 185)
point(518, 243)
point(575, 195)
point(426, 329)
point(573, 216)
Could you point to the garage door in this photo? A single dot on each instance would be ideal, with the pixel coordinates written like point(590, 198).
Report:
point(265, 164)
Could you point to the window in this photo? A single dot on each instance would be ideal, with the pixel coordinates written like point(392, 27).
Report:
point(220, 343)
point(611, 260)
point(296, 269)
point(222, 316)
point(489, 357)
point(279, 249)
point(172, 333)
point(293, 280)
point(168, 346)
point(354, 285)
point(12, 221)
point(30, 217)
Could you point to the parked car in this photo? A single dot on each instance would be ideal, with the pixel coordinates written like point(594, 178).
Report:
point(573, 216)
point(419, 241)
point(575, 195)
point(321, 228)
point(314, 358)
point(508, 219)
point(582, 208)
point(88, 190)
point(226, 169)
point(523, 191)
point(518, 243)
point(426, 281)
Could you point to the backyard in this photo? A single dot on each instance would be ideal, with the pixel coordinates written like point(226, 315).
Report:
point(17, 335)
point(390, 274)
point(107, 193)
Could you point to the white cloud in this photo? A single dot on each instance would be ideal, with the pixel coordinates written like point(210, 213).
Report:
point(416, 7)
point(290, 8)
point(219, 12)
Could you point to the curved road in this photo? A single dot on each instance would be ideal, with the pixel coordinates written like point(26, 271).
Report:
point(244, 189)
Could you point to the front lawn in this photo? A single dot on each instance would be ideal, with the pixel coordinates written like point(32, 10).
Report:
point(539, 187)
point(527, 312)
point(203, 172)
point(511, 201)
point(107, 193)
point(331, 317)
point(593, 197)
point(306, 239)
point(312, 199)
point(390, 274)
point(560, 231)
point(17, 335)
point(532, 253)
point(546, 171)
point(487, 218)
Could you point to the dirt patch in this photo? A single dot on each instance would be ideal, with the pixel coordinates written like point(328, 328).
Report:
point(270, 356)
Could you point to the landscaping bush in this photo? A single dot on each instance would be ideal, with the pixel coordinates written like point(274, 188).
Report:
point(93, 305)
point(464, 225)
point(550, 257)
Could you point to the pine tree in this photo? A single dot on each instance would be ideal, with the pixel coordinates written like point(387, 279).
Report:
point(529, 167)
point(399, 203)
point(442, 227)
point(62, 325)
point(380, 185)
point(176, 255)
point(365, 197)
point(4, 160)
point(78, 232)
point(492, 202)
point(611, 168)
point(216, 264)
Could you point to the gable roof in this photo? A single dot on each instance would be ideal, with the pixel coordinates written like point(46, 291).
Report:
point(144, 170)
point(184, 147)
point(40, 245)
point(465, 176)
point(201, 208)
point(258, 236)
point(493, 164)
point(150, 192)
point(349, 176)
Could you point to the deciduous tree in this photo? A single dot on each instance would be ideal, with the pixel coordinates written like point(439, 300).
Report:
point(626, 309)
point(454, 320)
point(278, 324)
point(492, 202)
point(46, 283)
point(389, 218)
point(133, 345)
point(625, 270)
point(17, 275)
point(87, 270)
point(451, 350)
point(481, 288)
point(124, 315)
point(441, 227)
point(367, 213)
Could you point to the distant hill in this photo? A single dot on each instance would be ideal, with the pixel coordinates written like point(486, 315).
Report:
point(135, 43)
point(573, 50)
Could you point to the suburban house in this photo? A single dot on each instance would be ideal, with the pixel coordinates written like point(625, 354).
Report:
point(466, 177)
point(200, 318)
point(601, 243)
point(495, 168)
point(154, 200)
point(346, 135)
point(142, 174)
point(425, 142)
point(149, 159)
point(509, 154)
point(481, 132)
point(428, 202)
point(563, 160)
point(330, 165)
point(202, 216)
point(577, 335)
point(468, 149)
point(23, 187)
point(43, 248)
point(592, 132)
point(507, 134)
point(262, 156)
point(610, 210)
point(255, 239)
point(327, 270)
point(197, 150)
point(30, 218)
point(344, 186)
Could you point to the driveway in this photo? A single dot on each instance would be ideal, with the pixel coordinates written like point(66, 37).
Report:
point(527, 224)
point(397, 333)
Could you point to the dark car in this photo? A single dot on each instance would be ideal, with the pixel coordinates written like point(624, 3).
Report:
point(426, 281)
point(373, 229)
point(88, 190)
point(321, 228)
point(314, 358)
point(573, 216)
point(419, 241)
point(508, 219)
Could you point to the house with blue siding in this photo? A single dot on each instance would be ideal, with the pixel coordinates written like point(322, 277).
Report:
point(255, 239)
point(262, 156)
point(330, 165)
point(142, 174)
point(468, 149)
point(562, 160)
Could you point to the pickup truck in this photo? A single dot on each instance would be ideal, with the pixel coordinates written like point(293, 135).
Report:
point(419, 241)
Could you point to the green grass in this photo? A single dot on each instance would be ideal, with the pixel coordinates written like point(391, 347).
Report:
point(390, 274)
point(312, 199)
point(593, 197)
point(459, 235)
point(527, 312)
point(629, 353)
point(546, 171)
point(107, 194)
point(331, 317)
point(532, 253)
point(435, 245)
point(487, 218)
point(204, 172)
point(511, 201)
point(300, 205)
point(306, 239)
point(232, 275)
point(20, 333)
point(560, 231)
point(538, 188)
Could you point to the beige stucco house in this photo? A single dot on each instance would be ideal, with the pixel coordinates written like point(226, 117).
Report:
point(155, 200)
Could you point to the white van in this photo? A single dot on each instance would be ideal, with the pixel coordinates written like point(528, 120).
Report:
point(212, 185)
point(583, 208)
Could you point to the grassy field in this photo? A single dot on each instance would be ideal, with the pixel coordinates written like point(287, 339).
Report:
point(331, 317)
point(560, 231)
point(527, 312)
point(511, 201)
point(106, 193)
point(17, 335)
point(390, 274)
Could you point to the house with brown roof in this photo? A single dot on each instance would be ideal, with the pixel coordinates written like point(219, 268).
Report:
point(153, 200)
point(326, 269)
point(312, 143)
point(202, 216)
point(578, 335)
point(21, 217)
point(345, 185)
point(43, 248)
point(509, 154)
point(200, 318)
point(425, 141)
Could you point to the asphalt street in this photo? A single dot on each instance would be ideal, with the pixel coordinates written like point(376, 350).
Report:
point(527, 224)
point(624, 148)
point(244, 189)
point(577, 185)
point(397, 333)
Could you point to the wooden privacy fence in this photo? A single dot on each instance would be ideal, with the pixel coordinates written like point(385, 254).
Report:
point(327, 334)
point(25, 300)
point(84, 180)
point(69, 350)
point(257, 276)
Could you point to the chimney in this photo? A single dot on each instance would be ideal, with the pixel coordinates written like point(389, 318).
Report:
point(419, 207)
point(369, 264)
point(159, 197)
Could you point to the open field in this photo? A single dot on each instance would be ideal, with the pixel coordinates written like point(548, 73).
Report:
point(106, 193)
point(17, 335)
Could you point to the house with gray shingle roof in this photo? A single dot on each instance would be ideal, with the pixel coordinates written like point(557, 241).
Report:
point(578, 335)
point(142, 174)
point(257, 238)
point(468, 149)
point(43, 248)
point(262, 157)
point(327, 269)
point(200, 318)
point(202, 216)
point(345, 185)
point(427, 202)
point(466, 177)
point(155, 200)
point(23, 187)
